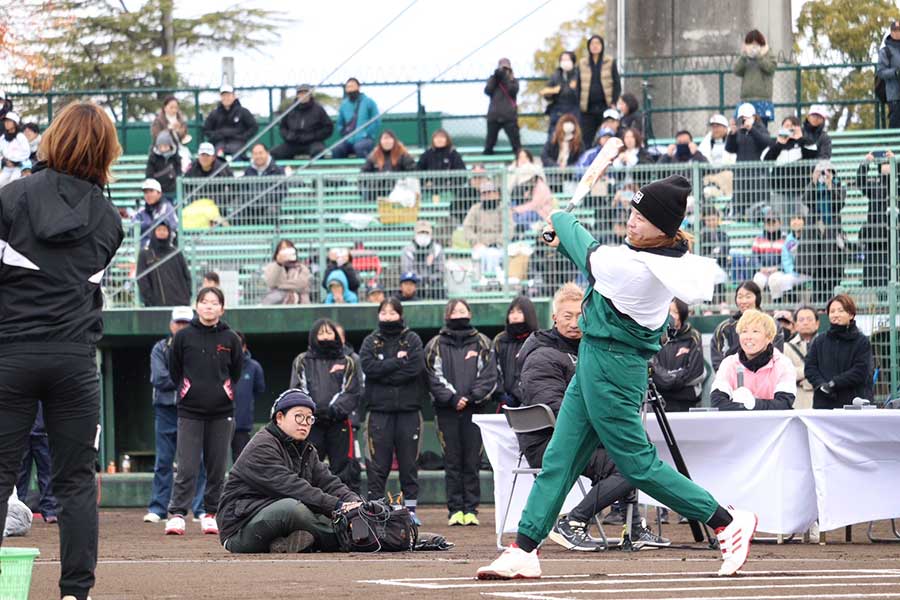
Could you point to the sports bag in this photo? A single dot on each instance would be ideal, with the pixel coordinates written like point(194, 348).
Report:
point(375, 527)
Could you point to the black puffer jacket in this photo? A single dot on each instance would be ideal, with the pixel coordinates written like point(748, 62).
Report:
point(393, 384)
point(726, 340)
point(441, 159)
point(232, 124)
point(164, 170)
point(57, 236)
point(843, 355)
point(168, 284)
point(329, 376)
point(460, 364)
point(196, 170)
point(748, 145)
point(306, 123)
point(678, 370)
point(272, 467)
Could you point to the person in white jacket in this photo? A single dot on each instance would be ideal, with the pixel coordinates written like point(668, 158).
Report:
point(720, 183)
point(14, 149)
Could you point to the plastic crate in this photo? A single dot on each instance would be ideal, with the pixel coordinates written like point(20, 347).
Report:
point(15, 572)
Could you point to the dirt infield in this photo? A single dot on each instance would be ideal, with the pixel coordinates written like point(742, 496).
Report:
point(138, 561)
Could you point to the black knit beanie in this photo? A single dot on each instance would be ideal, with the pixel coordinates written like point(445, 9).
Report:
point(664, 202)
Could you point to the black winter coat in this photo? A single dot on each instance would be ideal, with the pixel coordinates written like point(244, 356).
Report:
point(168, 284)
point(819, 137)
point(164, 170)
point(506, 348)
point(502, 87)
point(333, 382)
point(305, 124)
point(441, 159)
point(842, 355)
point(272, 467)
point(206, 364)
point(873, 237)
point(726, 340)
point(460, 364)
point(234, 124)
point(272, 170)
point(678, 369)
point(787, 176)
point(747, 145)
point(196, 170)
point(393, 384)
point(58, 234)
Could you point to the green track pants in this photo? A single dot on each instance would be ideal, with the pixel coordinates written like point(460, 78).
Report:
point(602, 405)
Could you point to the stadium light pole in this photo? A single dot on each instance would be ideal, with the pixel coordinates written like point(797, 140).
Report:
point(620, 34)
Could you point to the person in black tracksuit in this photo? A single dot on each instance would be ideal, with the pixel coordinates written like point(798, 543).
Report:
point(678, 369)
point(521, 321)
point(58, 232)
point(839, 364)
point(205, 363)
point(462, 373)
point(393, 362)
point(169, 284)
point(332, 379)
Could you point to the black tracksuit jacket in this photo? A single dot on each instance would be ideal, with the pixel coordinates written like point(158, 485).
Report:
point(460, 363)
point(205, 364)
point(506, 347)
point(393, 384)
point(842, 355)
point(272, 467)
point(333, 382)
point(678, 369)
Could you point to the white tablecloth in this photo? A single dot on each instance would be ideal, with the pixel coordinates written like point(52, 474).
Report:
point(790, 467)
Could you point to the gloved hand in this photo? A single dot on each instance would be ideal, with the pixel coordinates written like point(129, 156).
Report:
point(827, 388)
point(744, 396)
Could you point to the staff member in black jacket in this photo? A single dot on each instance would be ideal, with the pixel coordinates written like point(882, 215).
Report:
point(394, 363)
point(839, 364)
point(332, 379)
point(169, 284)
point(205, 364)
point(521, 321)
point(279, 496)
point(678, 370)
point(462, 373)
point(58, 233)
point(229, 126)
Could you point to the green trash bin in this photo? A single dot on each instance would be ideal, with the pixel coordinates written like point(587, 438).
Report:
point(15, 572)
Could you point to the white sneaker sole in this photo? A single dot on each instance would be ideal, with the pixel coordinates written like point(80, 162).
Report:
point(498, 576)
point(557, 537)
point(723, 573)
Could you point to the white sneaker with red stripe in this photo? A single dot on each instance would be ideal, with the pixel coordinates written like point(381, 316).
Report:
point(175, 525)
point(208, 525)
point(734, 540)
point(514, 563)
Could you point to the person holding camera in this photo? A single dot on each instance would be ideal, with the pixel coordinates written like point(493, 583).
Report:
point(756, 68)
point(747, 139)
point(684, 150)
point(280, 497)
point(287, 278)
point(503, 112)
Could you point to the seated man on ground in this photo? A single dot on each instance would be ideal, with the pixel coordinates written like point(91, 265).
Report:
point(547, 363)
point(279, 496)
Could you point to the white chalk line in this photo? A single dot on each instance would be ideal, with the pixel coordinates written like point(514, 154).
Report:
point(819, 596)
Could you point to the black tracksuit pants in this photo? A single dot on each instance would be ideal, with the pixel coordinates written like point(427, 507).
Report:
point(334, 440)
point(64, 378)
point(388, 433)
point(511, 128)
point(211, 442)
point(461, 440)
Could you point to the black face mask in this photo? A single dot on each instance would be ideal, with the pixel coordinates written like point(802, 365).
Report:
point(671, 331)
point(518, 330)
point(353, 96)
point(330, 347)
point(458, 324)
point(391, 327)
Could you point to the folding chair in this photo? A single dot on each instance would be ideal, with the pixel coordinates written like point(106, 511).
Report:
point(529, 419)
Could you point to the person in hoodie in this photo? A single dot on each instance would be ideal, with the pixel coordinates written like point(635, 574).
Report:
point(561, 92)
point(503, 112)
point(759, 376)
point(280, 498)
point(814, 130)
point(599, 86)
point(677, 369)
point(207, 163)
point(725, 340)
point(168, 283)
point(333, 380)
point(839, 363)
point(14, 149)
point(229, 126)
point(342, 259)
point(462, 375)
point(888, 70)
point(164, 163)
point(156, 208)
point(425, 258)
point(756, 69)
point(339, 291)
point(358, 118)
point(304, 129)
point(521, 322)
point(748, 139)
point(250, 387)
point(206, 364)
point(58, 234)
point(393, 363)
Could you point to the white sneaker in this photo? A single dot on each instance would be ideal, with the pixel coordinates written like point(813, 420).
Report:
point(175, 525)
point(73, 598)
point(208, 525)
point(734, 540)
point(196, 518)
point(152, 517)
point(514, 563)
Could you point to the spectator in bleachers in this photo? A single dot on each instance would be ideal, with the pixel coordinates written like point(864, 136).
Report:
point(229, 126)
point(806, 322)
point(248, 390)
point(814, 130)
point(409, 283)
point(684, 150)
point(873, 237)
point(521, 321)
point(305, 128)
point(462, 375)
point(532, 200)
point(824, 199)
point(839, 362)
point(713, 241)
point(425, 257)
point(389, 156)
point(713, 144)
point(171, 119)
point(287, 278)
point(788, 179)
point(338, 289)
point(483, 228)
point(355, 111)
point(210, 280)
point(14, 148)
point(747, 139)
point(888, 63)
point(756, 68)
point(441, 156)
point(632, 117)
point(156, 206)
point(599, 86)
point(375, 293)
point(32, 133)
point(758, 376)
point(612, 119)
point(561, 92)
point(565, 145)
point(169, 284)
point(208, 163)
point(262, 163)
point(786, 319)
point(164, 164)
point(341, 258)
point(6, 104)
point(503, 112)
point(725, 340)
point(633, 151)
point(797, 260)
point(587, 157)
point(678, 369)
point(766, 249)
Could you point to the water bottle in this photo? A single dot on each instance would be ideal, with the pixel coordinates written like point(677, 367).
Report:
point(126, 464)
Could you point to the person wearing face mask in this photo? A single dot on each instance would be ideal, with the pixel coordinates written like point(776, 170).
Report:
point(521, 321)
point(503, 112)
point(305, 128)
point(839, 364)
point(164, 163)
point(599, 86)
point(814, 129)
point(14, 149)
point(759, 376)
point(725, 340)
point(756, 69)
point(677, 368)
point(169, 284)
point(462, 375)
point(333, 380)
point(806, 329)
point(354, 114)
point(873, 236)
point(287, 278)
point(561, 92)
point(393, 362)
point(425, 257)
point(565, 145)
